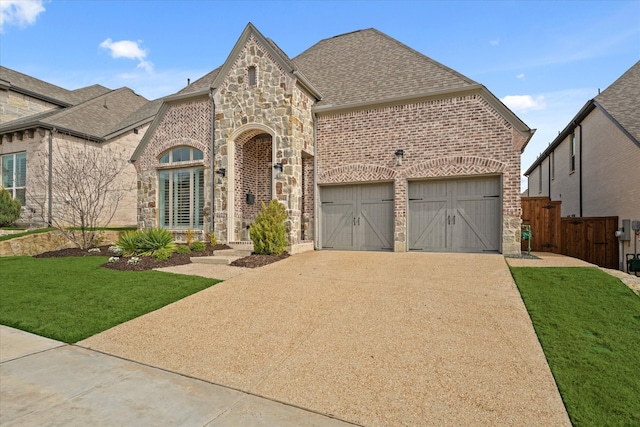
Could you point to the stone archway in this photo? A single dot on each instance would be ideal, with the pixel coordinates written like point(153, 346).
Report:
point(250, 180)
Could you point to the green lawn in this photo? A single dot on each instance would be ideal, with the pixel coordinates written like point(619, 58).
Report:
point(70, 299)
point(588, 323)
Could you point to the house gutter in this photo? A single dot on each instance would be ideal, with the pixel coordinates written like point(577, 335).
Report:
point(50, 179)
point(580, 171)
point(212, 160)
point(316, 218)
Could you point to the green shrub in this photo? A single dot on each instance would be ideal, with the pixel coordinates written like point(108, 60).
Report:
point(183, 249)
point(128, 242)
point(9, 208)
point(268, 232)
point(212, 238)
point(198, 246)
point(152, 240)
point(163, 254)
point(146, 242)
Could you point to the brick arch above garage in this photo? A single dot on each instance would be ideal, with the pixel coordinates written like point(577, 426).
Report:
point(357, 173)
point(455, 166)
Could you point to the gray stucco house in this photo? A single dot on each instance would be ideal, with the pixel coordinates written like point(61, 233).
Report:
point(369, 144)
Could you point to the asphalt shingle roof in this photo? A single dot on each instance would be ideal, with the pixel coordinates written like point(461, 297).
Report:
point(47, 90)
point(97, 117)
point(367, 65)
point(620, 100)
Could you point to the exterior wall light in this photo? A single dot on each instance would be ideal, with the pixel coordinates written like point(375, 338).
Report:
point(278, 168)
point(222, 172)
point(399, 156)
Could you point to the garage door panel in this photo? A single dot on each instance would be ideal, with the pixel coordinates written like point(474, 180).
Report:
point(374, 218)
point(468, 219)
point(357, 217)
point(427, 225)
point(337, 228)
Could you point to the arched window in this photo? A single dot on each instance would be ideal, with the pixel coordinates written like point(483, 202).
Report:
point(181, 189)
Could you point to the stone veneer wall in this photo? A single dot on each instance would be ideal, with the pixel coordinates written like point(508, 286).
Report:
point(35, 244)
point(452, 137)
point(15, 105)
point(183, 124)
point(275, 103)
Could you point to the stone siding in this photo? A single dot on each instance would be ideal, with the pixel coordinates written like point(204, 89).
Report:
point(15, 105)
point(452, 137)
point(275, 107)
point(35, 244)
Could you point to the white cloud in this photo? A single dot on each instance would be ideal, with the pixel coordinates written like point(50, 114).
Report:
point(524, 103)
point(495, 42)
point(130, 50)
point(19, 12)
point(520, 76)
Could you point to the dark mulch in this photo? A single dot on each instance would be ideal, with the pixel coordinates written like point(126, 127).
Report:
point(255, 260)
point(149, 263)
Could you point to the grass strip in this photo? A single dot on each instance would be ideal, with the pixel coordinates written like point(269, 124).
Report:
point(588, 324)
point(70, 299)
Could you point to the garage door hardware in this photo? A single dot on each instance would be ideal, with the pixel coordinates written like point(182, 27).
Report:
point(354, 221)
point(449, 219)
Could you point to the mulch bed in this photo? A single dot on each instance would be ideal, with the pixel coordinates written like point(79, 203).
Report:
point(149, 263)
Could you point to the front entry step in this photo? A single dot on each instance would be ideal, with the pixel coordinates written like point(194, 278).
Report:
point(223, 257)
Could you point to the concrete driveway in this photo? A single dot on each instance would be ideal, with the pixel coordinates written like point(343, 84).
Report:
point(370, 338)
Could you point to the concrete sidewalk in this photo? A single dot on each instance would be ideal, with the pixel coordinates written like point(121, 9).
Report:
point(370, 338)
point(46, 383)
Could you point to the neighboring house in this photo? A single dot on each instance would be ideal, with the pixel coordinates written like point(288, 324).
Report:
point(369, 145)
point(36, 115)
point(593, 166)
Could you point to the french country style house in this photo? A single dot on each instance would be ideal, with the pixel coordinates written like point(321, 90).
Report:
point(369, 145)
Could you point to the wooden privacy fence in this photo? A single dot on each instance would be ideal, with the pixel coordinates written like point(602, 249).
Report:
point(591, 239)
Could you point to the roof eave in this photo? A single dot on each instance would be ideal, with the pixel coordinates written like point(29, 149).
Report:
point(405, 99)
point(128, 128)
point(39, 96)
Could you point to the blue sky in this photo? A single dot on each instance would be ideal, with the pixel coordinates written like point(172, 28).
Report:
point(545, 60)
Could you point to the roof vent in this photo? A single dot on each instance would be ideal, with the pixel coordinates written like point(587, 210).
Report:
point(105, 103)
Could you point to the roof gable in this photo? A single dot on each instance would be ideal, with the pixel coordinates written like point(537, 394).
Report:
point(620, 101)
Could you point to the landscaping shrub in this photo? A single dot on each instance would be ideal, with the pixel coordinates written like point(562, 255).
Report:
point(163, 254)
point(183, 249)
point(128, 242)
point(152, 240)
point(198, 246)
point(212, 238)
point(146, 242)
point(189, 236)
point(268, 232)
point(9, 208)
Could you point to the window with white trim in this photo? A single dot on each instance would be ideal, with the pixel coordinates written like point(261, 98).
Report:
point(251, 72)
point(14, 175)
point(181, 190)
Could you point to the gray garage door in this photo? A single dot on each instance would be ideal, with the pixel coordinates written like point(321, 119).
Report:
point(461, 215)
point(357, 217)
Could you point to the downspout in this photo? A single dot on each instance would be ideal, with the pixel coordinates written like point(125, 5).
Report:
point(549, 176)
point(580, 172)
point(316, 217)
point(50, 180)
point(212, 155)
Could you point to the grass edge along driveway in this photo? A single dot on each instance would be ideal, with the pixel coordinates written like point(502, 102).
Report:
point(588, 324)
point(70, 299)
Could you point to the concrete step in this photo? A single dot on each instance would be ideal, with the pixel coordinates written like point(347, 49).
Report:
point(214, 260)
point(233, 252)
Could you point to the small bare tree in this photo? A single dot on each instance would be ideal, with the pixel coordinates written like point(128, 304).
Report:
point(85, 188)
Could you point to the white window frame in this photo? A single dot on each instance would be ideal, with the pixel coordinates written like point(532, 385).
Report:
point(13, 188)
